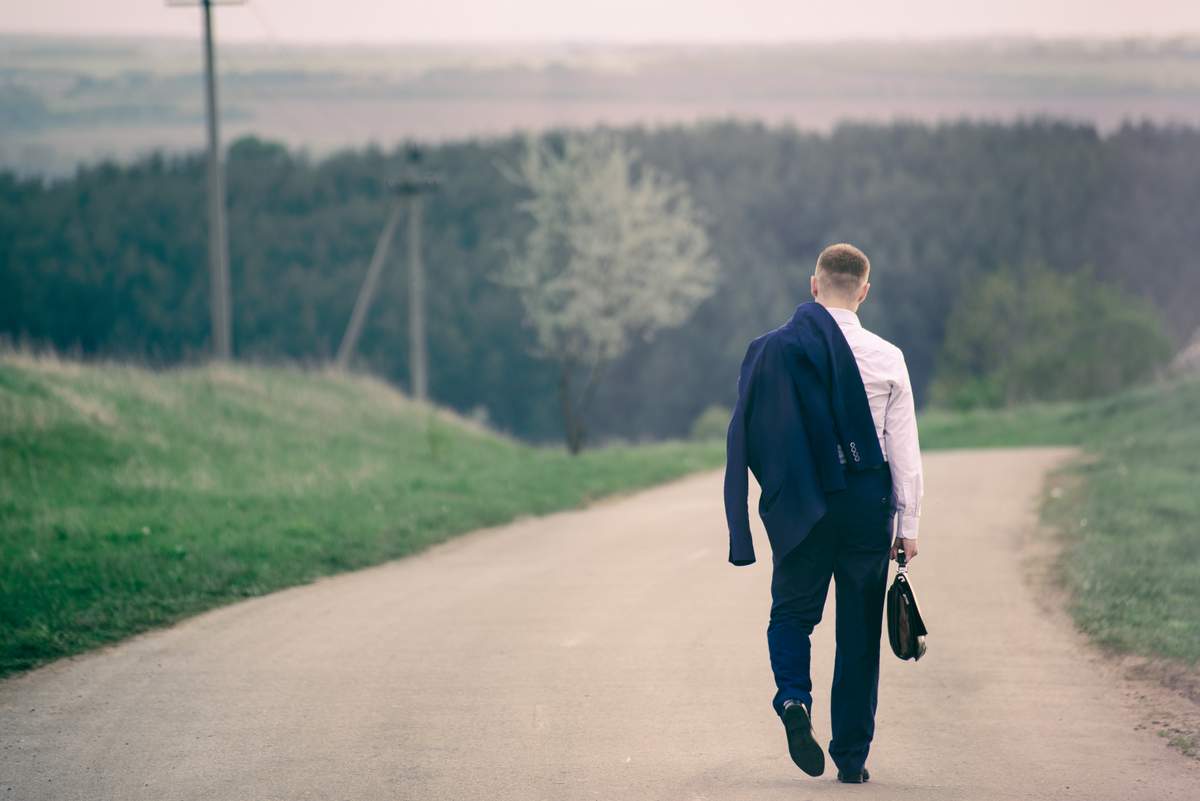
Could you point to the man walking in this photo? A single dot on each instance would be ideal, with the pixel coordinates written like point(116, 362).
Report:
point(825, 420)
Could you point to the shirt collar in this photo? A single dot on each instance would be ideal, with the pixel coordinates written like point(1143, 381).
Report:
point(844, 316)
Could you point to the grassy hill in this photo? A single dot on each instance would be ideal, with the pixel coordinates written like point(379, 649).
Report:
point(131, 498)
point(1129, 510)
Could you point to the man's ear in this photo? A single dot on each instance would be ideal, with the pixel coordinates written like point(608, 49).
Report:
point(812, 285)
point(862, 293)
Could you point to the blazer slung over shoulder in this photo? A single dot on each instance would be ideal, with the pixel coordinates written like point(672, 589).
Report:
point(800, 397)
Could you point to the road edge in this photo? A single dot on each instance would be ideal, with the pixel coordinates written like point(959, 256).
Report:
point(1162, 694)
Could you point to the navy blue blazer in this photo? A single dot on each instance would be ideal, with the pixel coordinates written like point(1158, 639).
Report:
point(800, 398)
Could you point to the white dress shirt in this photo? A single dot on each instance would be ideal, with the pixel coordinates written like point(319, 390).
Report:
point(889, 392)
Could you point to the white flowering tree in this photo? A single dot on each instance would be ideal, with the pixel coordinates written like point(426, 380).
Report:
point(616, 253)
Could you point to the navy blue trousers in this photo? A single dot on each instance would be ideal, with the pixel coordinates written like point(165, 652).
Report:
point(849, 544)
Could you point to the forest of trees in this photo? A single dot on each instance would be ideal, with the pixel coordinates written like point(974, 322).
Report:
point(112, 261)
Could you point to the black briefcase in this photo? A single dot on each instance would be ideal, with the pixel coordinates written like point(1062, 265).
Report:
point(906, 630)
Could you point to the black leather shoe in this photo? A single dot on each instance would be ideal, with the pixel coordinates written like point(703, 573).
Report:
point(854, 777)
point(802, 746)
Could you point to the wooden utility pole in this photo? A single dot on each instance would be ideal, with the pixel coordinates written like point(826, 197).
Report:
point(366, 293)
point(417, 356)
point(218, 240)
point(414, 185)
point(411, 188)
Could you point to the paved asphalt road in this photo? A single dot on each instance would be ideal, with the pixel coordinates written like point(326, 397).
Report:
point(610, 653)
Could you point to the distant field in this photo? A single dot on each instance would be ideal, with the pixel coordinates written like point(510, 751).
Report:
point(65, 100)
point(1129, 511)
point(130, 499)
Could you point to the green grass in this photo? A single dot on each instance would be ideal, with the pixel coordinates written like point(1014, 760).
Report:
point(1041, 424)
point(130, 499)
point(1185, 742)
point(1129, 509)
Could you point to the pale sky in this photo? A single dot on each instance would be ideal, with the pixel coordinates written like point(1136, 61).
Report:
point(611, 20)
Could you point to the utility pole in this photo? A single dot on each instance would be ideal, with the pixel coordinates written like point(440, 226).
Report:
point(218, 240)
point(366, 293)
point(414, 186)
point(410, 189)
point(418, 358)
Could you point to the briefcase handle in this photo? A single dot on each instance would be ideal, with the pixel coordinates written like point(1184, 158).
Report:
point(901, 562)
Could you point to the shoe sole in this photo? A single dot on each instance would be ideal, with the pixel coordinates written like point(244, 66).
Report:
point(804, 750)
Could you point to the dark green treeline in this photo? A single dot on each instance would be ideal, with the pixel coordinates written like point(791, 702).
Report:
point(112, 261)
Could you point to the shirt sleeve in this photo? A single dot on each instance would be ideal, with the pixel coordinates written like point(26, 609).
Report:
point(904, 453)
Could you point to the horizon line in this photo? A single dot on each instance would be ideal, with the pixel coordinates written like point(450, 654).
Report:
point(996, 37)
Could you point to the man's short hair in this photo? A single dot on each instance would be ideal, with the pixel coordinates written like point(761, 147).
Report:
point(842, 269)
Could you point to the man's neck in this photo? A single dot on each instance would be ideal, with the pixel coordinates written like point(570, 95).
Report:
point(839, 304)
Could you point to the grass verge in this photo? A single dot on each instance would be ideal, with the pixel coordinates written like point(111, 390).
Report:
point(130, 499)
point(1131, 522)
